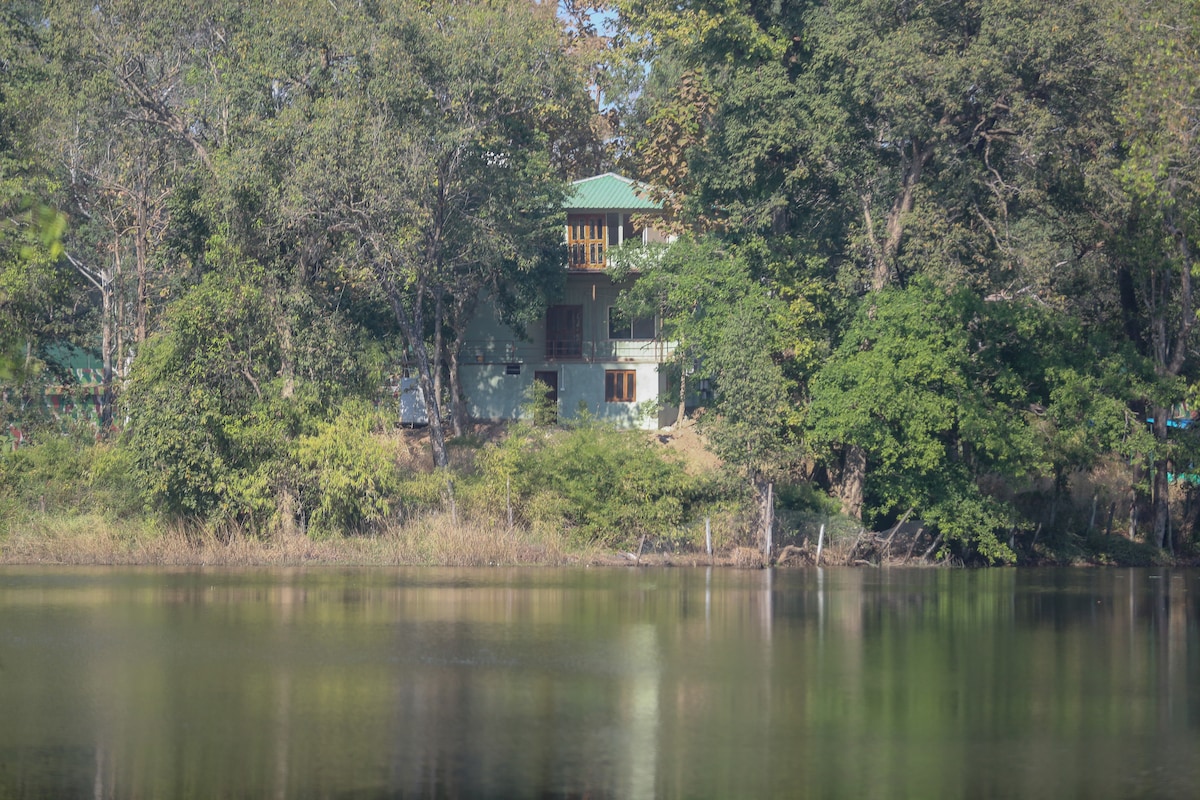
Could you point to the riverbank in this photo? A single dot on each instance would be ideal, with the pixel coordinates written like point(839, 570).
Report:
point(436, 540)
point(440, 540)
point(513, 495)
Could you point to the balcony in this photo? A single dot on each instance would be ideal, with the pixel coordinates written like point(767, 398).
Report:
point(494, 351)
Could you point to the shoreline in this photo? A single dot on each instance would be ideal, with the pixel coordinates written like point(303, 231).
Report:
point(438, 541)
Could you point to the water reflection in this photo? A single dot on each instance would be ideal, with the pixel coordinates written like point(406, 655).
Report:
point(638, 683)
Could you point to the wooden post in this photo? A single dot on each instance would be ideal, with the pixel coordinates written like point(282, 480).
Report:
point(708, 537)
point(820, 543)
point(770, 514)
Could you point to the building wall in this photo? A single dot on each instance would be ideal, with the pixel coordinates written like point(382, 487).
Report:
point(497, 368)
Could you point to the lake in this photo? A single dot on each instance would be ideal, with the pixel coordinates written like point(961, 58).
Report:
point(622, 683)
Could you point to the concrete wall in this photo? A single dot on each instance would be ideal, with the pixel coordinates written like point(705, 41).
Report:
point(492, 394)
point(493, 350)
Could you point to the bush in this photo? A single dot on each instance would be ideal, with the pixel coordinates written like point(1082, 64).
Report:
point(52, 475)
point(601, 485)
point(67, 476)
point(346, 476)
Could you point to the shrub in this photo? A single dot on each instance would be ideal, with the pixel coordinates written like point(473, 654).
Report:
point(346, 476)
point(603, 486)
point(52, 475)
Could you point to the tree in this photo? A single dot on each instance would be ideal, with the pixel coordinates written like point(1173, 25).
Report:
point(211, 429)
point(119, 128)
point(924, 383)
point(437, 153)
point(856, 146)
point(36, 296)
point(728, 329)
point(1162, 230)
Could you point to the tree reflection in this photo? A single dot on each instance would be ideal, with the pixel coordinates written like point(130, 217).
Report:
point(927, 683)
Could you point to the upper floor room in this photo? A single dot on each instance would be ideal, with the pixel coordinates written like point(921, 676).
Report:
point(608, 211)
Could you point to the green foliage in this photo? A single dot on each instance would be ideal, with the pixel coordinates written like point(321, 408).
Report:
point(960, 237)
point(69, 475)
point(538, 407)
point(749, 424)
point(423, 492)
point(345, 476)
point(602, 486)
point(52, 475)
point(931, 406)
point(733, 330)
point(210, 418)
point(805, 496)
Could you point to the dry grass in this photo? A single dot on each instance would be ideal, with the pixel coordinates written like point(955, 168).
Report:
point(439, 539)
point(746, 558)
point(436, 539)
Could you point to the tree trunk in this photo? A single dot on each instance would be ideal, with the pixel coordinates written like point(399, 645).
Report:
point(850, 485)
point(439, 316)
point(411, 324)
point(437, 430)
point(106, 352)
point(461, 312)
point(914, 164)
point(682, 395)
point(458, 409)
point(1159, 495)
point(1170, 354)
point(141, 257)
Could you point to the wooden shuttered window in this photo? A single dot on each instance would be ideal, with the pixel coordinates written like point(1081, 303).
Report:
point(587, 236)
point(620, 386)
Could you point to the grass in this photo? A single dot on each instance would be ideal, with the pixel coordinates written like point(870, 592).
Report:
point(438, 539)
point(435, 539)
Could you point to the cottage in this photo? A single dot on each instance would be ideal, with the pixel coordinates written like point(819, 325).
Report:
point(583, 349)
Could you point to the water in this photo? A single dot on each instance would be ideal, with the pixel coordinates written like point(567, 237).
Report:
point(599, 683)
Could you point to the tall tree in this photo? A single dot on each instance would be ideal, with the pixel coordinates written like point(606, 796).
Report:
point(437, 148)
point(119, 95)
point(1160, 179)
point(37, 298)
point(863, 144)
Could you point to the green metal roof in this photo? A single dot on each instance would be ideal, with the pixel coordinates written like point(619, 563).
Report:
point(611, 192)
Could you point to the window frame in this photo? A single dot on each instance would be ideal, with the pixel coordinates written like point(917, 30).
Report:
point(587, 241)
point(564, 331)
point(620, 386)
point(629, 332)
